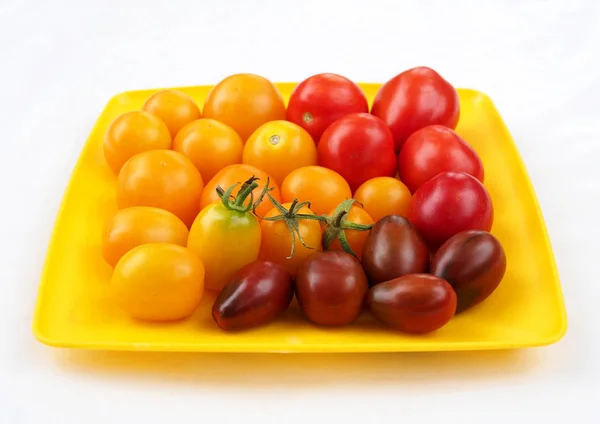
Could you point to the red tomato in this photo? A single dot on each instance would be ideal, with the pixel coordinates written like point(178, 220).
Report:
point(415, 99)
point(433, 150)
point(449, 203)
point(320, 100)
point(359, 147)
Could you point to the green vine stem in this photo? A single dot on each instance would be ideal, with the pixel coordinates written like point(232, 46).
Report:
point(338, 223)
point(237, 203)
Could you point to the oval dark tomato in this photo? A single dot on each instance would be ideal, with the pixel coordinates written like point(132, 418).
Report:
point(433, 150)
point(449, 203)
point(255, 295)
point(413, 303)
point(393, 248)
point(320, 100)
point(359, 147)
point(474, 263)
point(330, 287)
point(415, 99)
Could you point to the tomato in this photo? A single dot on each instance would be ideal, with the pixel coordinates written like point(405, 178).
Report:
point(413, 303)
point(278, 148)
point(244, 102)
point(359, 147)
point(226, 236)
point(233, 174)
point(355, 238)
point(163, 179)
point(131, 227)
point(278, 242)
point(415, 99)
point(210, 145)
point(320, 100)
point(383, 196)
point(330, 288)
point(145, 286)
point(133, 133)
point(392, 249)
point(433, 150)
point(449, 203)
point(322, 187)
point(256, 295)
point(474, 263)
point(175, 108)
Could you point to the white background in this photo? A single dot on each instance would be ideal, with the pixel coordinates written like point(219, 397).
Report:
point(60, 62)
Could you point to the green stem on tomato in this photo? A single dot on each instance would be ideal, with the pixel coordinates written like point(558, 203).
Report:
point(237, 203)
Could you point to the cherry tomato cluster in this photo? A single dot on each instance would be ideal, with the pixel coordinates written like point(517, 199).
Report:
point(342, 207)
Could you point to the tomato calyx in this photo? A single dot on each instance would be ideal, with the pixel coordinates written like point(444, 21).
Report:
point(336, 225)
point(307, 117)
point(237, 203)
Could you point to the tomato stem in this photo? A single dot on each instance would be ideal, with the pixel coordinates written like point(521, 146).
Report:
point(237, 203)
point(338, 223)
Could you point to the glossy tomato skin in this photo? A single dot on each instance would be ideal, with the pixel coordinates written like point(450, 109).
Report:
point(415, 99)
point(449, 203)
point(474, 263)
point(330, 288)
point(175, 108)
point(321, 99)
point(413, 303)
point(383, 196)
point(359, 147)
point(254, 296)
point(393, 248)
point(433, 150)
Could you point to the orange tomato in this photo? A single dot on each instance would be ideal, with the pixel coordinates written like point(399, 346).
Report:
point(322, 187)
point(133, 133)
point(174, 108)
point(244, 102)
point(240, 173)
point(163, 179)
point(211, 146)
point(276, 240)
point(131, 227)
point(158, 282)
point(356, 239)
point(383, 196)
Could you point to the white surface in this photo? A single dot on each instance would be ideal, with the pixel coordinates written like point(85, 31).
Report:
point(60, 63)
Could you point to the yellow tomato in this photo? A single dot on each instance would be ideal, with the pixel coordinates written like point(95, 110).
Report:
point(131, 227)
point(174, 108)
point(210, 145)
point(383, 196)
point(244, 102)
point(133, 133)
point(158, 282)
point(279, 147)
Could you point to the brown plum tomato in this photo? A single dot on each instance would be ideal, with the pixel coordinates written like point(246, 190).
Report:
point(474, 263)
point(254, 296)
point(359, 147)
point(393, 248)
point(321, 99)
point(330, 288)
point(449, 203)
point(414, 99)
point(413, 303)
point(433, 150)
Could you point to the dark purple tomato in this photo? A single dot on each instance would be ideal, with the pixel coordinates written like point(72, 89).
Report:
point(330, 288)
point(474, 263)
point(413, 303)
point(393, 248)
point(256, 295)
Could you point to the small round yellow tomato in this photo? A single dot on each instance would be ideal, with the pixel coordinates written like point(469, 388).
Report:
point(355, 238)
point(131, 227)
point(244, 102)
point(158, 282)
point(383, 196)
point(133, 133)
point(279, 147)
point(276, 239)
point(322, 187)
point(174, 108)
point(164, 179)
point(210, 145)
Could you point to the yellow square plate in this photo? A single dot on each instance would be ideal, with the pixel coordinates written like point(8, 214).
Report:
point(74, 308)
